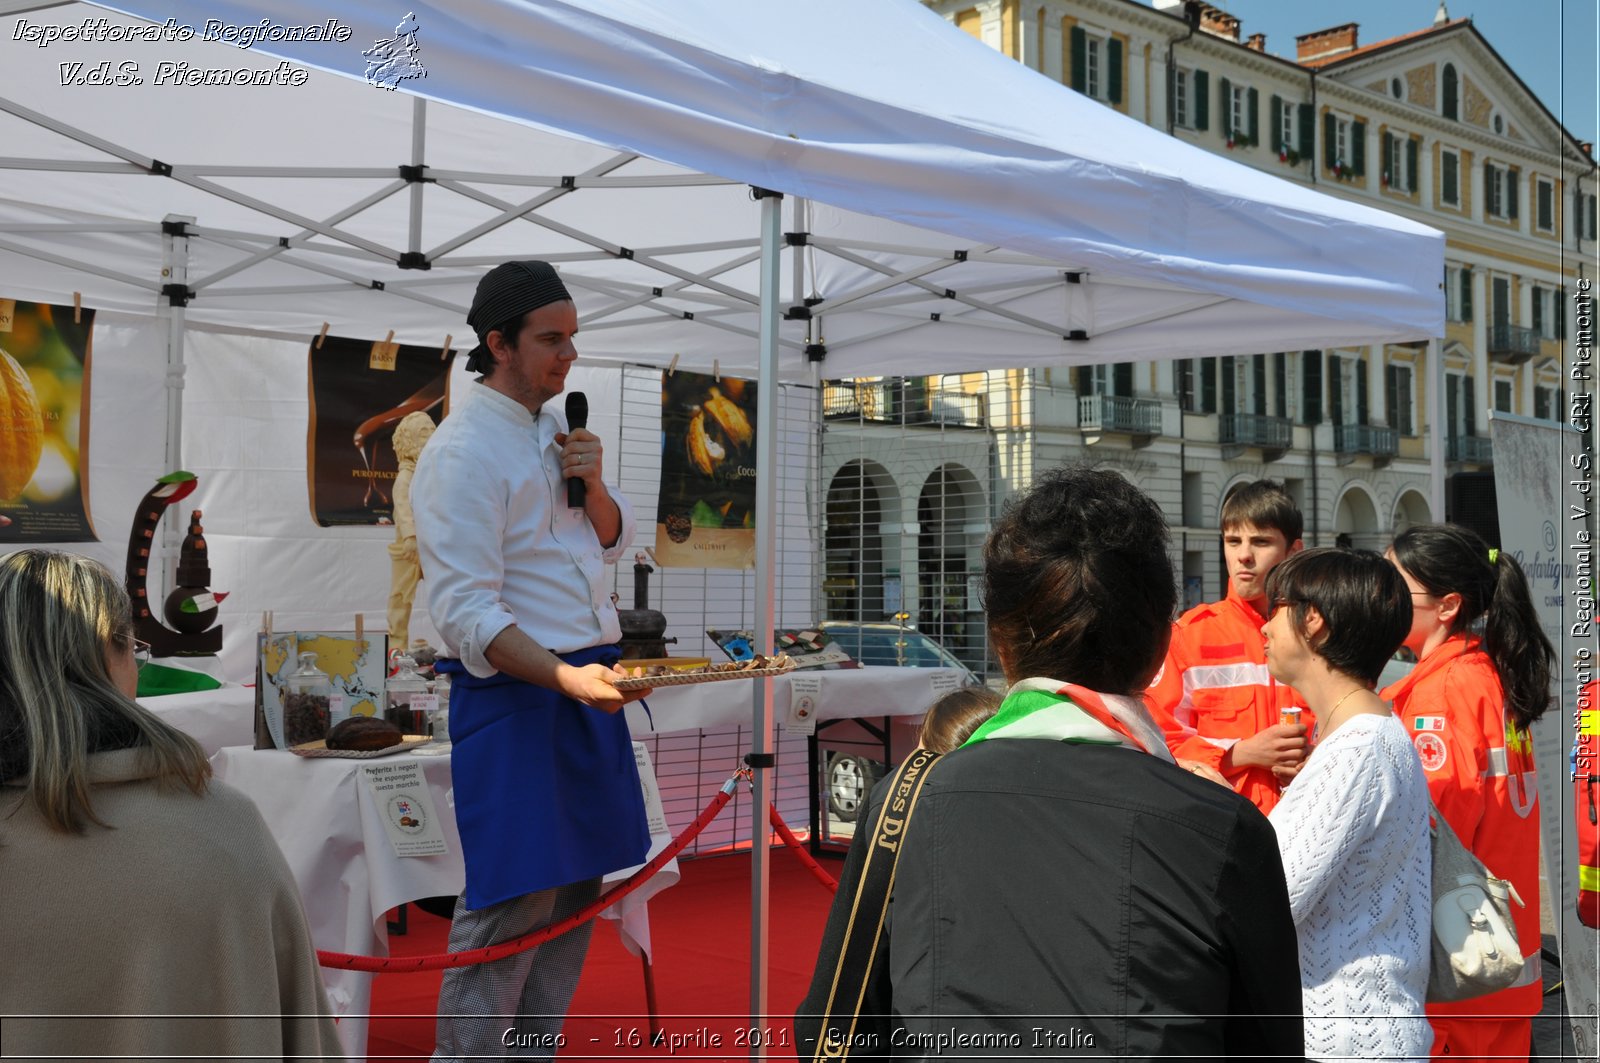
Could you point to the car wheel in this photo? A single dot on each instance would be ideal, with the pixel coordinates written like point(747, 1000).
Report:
point(850, 780)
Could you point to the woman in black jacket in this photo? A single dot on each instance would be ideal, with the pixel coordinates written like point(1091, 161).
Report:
point(1063, 887)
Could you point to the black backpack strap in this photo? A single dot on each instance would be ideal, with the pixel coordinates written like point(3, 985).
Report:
point(864, 930)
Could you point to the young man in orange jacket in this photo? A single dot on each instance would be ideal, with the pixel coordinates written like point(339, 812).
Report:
point(1216, 703)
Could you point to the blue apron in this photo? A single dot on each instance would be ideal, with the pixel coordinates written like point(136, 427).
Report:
point(546, 788)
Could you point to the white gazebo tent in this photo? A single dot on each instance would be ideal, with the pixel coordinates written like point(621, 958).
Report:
point(947, 208)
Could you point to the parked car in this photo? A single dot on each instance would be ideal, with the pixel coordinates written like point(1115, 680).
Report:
point(851, 776)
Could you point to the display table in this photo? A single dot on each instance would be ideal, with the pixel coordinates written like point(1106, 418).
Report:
point(215, 718)
point(333, 834)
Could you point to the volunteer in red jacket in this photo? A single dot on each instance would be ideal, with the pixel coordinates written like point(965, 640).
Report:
point(1217, 704)
point(1468, 706)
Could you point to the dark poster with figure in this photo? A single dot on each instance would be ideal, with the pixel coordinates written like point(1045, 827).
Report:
point(360, 391)
point(705, 516)
point(44, 423)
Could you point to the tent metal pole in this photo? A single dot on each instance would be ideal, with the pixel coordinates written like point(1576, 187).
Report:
point(1436, 429)
point(419, 132)
point(174, 270)
point(761, 739)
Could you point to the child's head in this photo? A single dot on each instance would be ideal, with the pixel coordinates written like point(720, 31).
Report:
point(1265, 505)
point(952, 719)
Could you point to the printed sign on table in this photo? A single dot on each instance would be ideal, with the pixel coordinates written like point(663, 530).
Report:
point(400, 794)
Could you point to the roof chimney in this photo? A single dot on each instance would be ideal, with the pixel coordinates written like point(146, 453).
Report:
point(1257, 42)
point(1324, 44)
point(1219, 23)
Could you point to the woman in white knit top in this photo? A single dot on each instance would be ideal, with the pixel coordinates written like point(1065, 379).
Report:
point(1353, 826)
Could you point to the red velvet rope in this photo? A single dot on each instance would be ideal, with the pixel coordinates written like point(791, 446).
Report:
point(440, 961)
point(799, 848)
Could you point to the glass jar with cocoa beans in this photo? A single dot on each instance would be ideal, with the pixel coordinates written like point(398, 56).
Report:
point(305, 704)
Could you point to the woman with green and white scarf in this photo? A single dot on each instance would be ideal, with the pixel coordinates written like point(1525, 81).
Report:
point(1063, 888)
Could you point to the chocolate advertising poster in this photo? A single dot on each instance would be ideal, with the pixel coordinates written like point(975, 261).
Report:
point(44, 423)
point(706, 512)
point(360, 391)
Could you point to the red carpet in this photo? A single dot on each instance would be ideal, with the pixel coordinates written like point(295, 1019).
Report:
point(700, 930)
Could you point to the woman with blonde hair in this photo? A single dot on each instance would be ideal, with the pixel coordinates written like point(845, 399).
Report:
point(149, 913)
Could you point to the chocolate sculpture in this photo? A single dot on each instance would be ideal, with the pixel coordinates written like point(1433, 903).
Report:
point(192, 606)
point(405, 569)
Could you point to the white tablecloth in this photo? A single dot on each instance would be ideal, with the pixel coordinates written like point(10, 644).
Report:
point(215, 718)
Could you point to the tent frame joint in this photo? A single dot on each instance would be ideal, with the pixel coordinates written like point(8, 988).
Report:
point(796, 239)
point(175, 228)
point(157, 168)
point(416, 173)
point(177, 294)
point(413, 260)
point(816, 352)
point(757, 192)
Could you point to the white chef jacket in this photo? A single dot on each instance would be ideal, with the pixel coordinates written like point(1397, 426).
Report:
point(498, 543)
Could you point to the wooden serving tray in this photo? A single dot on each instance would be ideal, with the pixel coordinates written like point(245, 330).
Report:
point(320, 748)
point(648, 682)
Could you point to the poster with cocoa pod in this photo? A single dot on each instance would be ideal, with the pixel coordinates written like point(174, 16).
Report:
point(360, 392)
point(705, 516)
point(44, 423)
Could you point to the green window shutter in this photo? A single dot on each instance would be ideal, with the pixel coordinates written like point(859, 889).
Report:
point(1358, 148)
point(1491, 190)
point(1230, 402)
point(1412, 173)
point(1335, 389)
point(1114, 70)
point(1589, 214)
point(1253, 109)
point(1361, 392)
point(1208, 385)
point(1280, 373)
point(1308, 131)
point(1276, 110)
point(1080, 59)
point(1085, 380)
point(1547, 207)
point(1258, 376)
point(1200, 97)
point(1561, 312)
point(1466, 294)
point(1577, 215)
point(1311, 387)
point(1330, 140)
point(1183, 382)
point(1225, 105)
point(1122, 379)
point(1469, 402)
point(1538, 308)
point(1513, 175)
point(1388, 158)
point(1450, 179)
point(1450, 92)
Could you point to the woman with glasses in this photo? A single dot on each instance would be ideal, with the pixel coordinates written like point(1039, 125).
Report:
point(1353, 826)
point(1482, 677)
point(148, 912)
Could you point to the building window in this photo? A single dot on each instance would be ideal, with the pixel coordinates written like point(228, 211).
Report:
point(1504, 395)
point(1397, 88)
point(1399, 162)
point(1545, 212)
point(1549, 312)
point(1341, 142)
point(1286, 128)
point(1549, 403)
point(1458, 293)
point(1091, 70)
point(1449, 177)
point(1180, 98)
point(1449, 95)
point(1397, 380)
point(1240, 123)
point(1096, 64)
point(1583, 208)
point(1500, 191)
point(1498, 124)
point(1238, 119)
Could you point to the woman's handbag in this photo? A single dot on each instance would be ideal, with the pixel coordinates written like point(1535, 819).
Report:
point(842, 1031)
point(1475, 949)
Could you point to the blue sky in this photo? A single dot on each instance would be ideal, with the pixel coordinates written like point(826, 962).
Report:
point(1551, 44)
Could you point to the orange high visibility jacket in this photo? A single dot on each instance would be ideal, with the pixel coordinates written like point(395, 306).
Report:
point(1215, 689)
point(1586, 797)
point(1481, 775)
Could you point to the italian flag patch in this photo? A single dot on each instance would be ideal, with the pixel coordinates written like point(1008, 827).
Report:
point(1428, 723)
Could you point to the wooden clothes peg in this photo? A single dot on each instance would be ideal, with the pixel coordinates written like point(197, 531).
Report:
point(77, 308)
point(673, 368)
point(322, 335)
point(445, 353)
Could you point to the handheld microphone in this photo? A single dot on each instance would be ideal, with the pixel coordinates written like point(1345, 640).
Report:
point(577, 417)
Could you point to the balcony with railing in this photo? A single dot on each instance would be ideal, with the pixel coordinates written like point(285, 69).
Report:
point(1102, 415)
point(1512, 343)
point(1238, 431)
point(1471, 450)
point(901, 401)
point(1379, 441)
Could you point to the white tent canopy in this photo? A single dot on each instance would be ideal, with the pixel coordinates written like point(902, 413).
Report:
point(932, 152)
point(955, 210)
